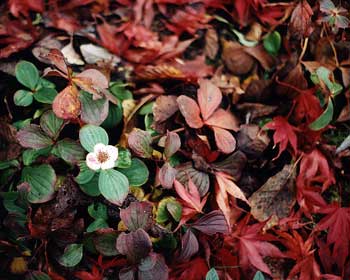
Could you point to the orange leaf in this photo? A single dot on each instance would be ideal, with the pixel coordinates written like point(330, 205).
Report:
point(190, 110)
point(66, 104)
point(209, 98)
point(224, 140)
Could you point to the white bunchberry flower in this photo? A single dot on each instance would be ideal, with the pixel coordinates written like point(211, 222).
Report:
point(103, 157)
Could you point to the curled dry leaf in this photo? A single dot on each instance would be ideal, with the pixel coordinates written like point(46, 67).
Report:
point(211, 43)
point(236, 59)
point(71, 55)
point(233, 165)
point(66, 104)
point(252, 140)
point(276, 197)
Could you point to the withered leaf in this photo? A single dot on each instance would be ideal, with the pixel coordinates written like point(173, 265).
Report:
point(300, 20)
point(236, 59)
point(252, 140)
point(67, 104)
point(232, 165)
point(276, 197)
point(164, 107)
point(211, 43)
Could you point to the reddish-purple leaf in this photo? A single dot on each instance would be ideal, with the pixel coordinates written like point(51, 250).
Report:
point(190, 110)
point(135, 245)
point(199, 178)
point(153, 267)
point(172, 144)
point(189, 246)
point(211, 223)
point(209, 98)
point(57, 58)
point(33, 137)
point(224, 140)
point(167, 175)
point(191, 197)
point(140, 142)
point(137, 215)
point(223, 119)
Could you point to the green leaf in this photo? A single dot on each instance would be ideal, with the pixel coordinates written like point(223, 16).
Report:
point(51, 124)
point(137, 173)
point(323, 74)
point(105, 243)
point(32, 136)
point(85, 175)
point(118, 90)
point(72, 255)
point(90, 135)
point(175, 209)
point(93, 111)
point(30, 155)
point(243, 40)
point(272, 42)
point(115, 116)
point(23, 98)
point(162, 212)
point(43, 83)
point(114, 186)
point(27, 74)
point(325, 118)
point(91, 187)
point(259, 276)
point(97, 224)
point(212, 275)
point(22, 123)
point(124, 158)
point(69, 150)
point(147, 109)
point(42, 180)
point(37, 275)
point(8, 163)
point(98, 211)
point(45, 95)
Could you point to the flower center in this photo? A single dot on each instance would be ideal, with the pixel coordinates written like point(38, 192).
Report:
point(102, 157)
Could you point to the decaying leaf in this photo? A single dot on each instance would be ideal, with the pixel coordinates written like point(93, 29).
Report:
point(276, 197)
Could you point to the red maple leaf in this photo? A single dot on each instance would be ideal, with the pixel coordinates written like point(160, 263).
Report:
point(314, 169)
point(284, 134)
point(252, 245)
point(303, 253)
point(337, 224)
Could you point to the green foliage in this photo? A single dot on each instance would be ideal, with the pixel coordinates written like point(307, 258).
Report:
point(272, 42)
point(72, 255)
point(90, 135)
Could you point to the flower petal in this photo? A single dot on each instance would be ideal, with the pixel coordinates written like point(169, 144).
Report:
point(92, 161)
point(99, 148)
point(112, 152)
point(108, 164)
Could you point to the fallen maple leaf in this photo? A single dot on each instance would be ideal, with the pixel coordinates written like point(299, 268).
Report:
point(337, 224)
point(284, 134)
point(314, 169)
